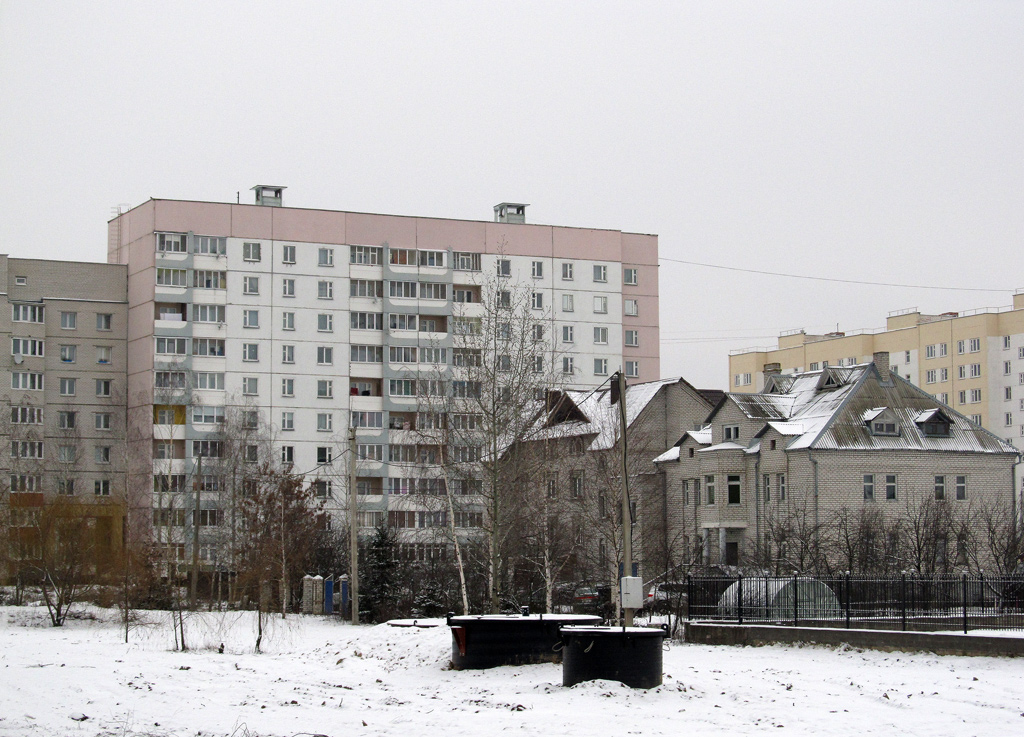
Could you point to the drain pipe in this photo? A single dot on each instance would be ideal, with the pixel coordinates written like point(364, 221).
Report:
point(757, 502)
point(814, 463)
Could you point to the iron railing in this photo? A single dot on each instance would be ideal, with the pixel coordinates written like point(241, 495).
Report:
point(904, 602)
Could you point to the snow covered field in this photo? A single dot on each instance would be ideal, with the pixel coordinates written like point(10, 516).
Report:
point(320, 676)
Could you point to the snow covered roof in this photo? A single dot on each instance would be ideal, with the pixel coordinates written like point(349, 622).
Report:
point(672, 454)
point(833, 409)
point(728, 445)
point(601, 416)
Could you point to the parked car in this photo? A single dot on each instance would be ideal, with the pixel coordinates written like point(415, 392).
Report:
point(594, 600)
point(666, 597)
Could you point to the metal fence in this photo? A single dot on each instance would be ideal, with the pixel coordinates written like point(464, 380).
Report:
point(905, 602)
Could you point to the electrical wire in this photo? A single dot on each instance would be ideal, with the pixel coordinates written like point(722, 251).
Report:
point(828, 279)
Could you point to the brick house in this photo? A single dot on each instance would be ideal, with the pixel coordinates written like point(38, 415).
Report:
point(789, 476)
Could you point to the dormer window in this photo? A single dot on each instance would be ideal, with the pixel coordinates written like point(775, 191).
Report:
point(731, 433)
point(882, 421)
point(933, 423)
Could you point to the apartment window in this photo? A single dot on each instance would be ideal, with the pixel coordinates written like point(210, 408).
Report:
point(324, 289)
point(503, 362)
point(632, 369)
point(287, 320)
point(974, 345)
point(325, 257)
point(930, 376)
point(207, 380)
point(372, 420)
point(537, 301)
point(504, 299)
point(250, 352)
point(943, 374)
point(467, 261)
point(211, 245)
point(324, 422)
point(66, 420)
point(287, 387)
point(976, 419)
point(325, 323)
point(781, 485)
point(631, 308)
point(28, 313)
point(172, 277)
point(538, 332)
point(600, 273)
point(367, 321)
point(962, 397)
point(68, 353)
point(815, 366)
point(101, 487)
point(869, 486)
point(929, 351)
point(104, 321)
point(940, 487)
point(366, 255)
point(732, 487)
point(974, 370)
point(324, 355)
point(170, 380)
point(401, 388)
point(600, 367)
point(287, 454)
point(465, 296)
point(1008, 419)
point(537, 270)
point(287, 354)
point(629, 277)
point(250, 385)
point(961, 347)
point(101, 420)
point(567, 303)
point(504, 267)
point(202, 279)
point(250, 251)
point(961, 487)
point(433, 290)
point(601, 336)
point(288, 254)
point(27, 380)
point(1007, 368)
point(731, 432)
point(709, 488)
point(324, 388)
point(974, 396)
point(208, 313)
point(568, 333)
point(632, 338)
point(287, 287)
point(567, 272)
point(103, 354)
point(906, 358)
point(401, 321)
point(366, 354)
point(576, 485)
point(250, 318)
point(170, 243)
point(601, 305)
point(69, 320)
point(207, 415)
point(170, 346)
point(29, 449)
point(67, 387)
point(27, 415)
point(207, 448)
point(101, 454)
point(567, 364)
point(943, 350)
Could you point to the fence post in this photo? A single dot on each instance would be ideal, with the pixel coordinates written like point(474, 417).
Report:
point(796, 601)
point(847, 600)
point(739, 599)
point(981, 587)
point(903, 600)
point(963, 596)
point(689, 597)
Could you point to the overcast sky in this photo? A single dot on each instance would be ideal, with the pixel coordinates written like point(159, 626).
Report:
point(872, 141)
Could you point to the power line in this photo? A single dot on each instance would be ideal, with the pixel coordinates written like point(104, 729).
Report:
point(828, 279)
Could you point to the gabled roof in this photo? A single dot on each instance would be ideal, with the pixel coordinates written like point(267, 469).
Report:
point(597, 416)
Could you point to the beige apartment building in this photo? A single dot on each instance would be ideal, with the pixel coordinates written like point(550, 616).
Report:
point(971, 361)
point(63, 426)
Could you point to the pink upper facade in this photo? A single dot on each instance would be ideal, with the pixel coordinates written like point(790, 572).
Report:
point(354, 228)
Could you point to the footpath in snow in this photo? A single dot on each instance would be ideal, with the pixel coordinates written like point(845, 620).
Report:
point(322, 676)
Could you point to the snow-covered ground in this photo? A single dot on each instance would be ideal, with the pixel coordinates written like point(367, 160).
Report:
point(320, 676)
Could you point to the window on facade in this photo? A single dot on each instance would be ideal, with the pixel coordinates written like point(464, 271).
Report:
point(367, 321)
point(325, 289)
point(576, 485)
point(629, 277)
point(250, 385)
point(567, 303)
point(250, 318)
point(287, 254)
point(287, 354)
point(287, 287)
point(205, 279)
point(101, 487)
point(104, 321)
point(250, 251)
point(709, 489)
point(600, 273)
point(324, 388)
point(567, 271)
point(632, 369)
point(731, 432)
point(67, 387)
point(733, 489)
point(325, 323)
point(69, 320)
point(504, 267)
point(632, 338)
point(537, 301)
point(890, 486)
point(325, 257)
point(102, 420)
point(600, 367)
point(567, 364)
point(940, 487)
point(631, 307)
point(172, 277)
point(466, 261)
point(206, 245)
point(600, 305)
point(324, 422)
point(68, 353)
point(781, 485)
point(961, 487)
point(250, 352)
point(171, 243)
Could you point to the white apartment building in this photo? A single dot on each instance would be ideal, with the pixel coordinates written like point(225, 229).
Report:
point(307, 322)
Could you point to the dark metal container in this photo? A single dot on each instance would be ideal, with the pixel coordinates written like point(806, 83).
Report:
point(490, 640)
point(631, 655)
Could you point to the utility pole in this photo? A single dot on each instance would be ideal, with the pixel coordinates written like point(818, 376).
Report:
point(198, 485)
point(627, 518)
point(353, 528)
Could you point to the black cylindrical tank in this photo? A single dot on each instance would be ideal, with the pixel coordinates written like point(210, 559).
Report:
point(631, 655)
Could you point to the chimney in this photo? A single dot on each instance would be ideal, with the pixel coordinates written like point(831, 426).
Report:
point(772, 368)
point(881, 361)
point(510, 212)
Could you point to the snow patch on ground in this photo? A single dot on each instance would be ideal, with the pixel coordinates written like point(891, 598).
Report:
point(322, 676)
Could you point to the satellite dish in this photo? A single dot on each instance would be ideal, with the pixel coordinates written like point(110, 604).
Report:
point(18, 358)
